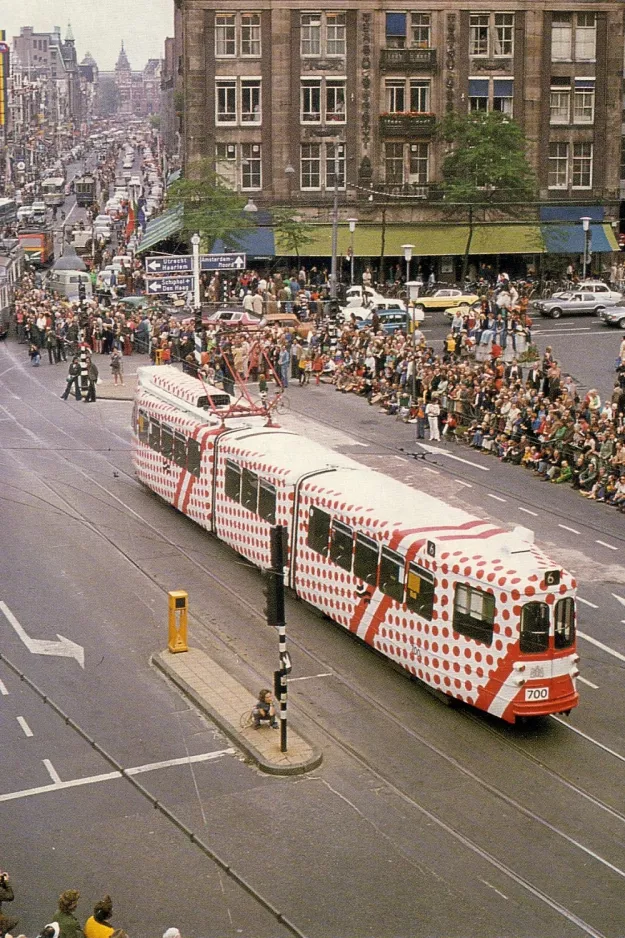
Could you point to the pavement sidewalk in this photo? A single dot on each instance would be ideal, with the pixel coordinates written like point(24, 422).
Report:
point(229, 704)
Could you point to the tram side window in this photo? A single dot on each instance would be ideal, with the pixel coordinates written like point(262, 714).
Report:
point(167, 442)
point(342, 544)
point(366, 558)
point(155, 436)
point(392, 574)
point(564, 635)
point(534, 628)
point(420, 591)
point(233, 481)
point(267, 501)
point(143, 427)
point(474, 613)
point(319, 531)
point(249, 490)
point(180, 450)
point(194, 457)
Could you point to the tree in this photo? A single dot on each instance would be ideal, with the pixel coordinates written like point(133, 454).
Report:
point(291, 232)
point(486, 162)
point(210, 207)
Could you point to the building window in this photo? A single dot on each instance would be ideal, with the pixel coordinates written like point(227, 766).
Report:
point(421, 30)
point(503, 36)
point(394, 164)
point(560, 101)
point(310, 166)
point(250, 101)
point(503, 95)
point(336, 41)
point(226, 101)
point(584, 101)
point(243, 162)
point(478, 94)
point(419, 164)
point(558, 165)
point(582, 166)
point(250, 35)
point(395, 96)
point(561, 37)
point(251, 166)
point(420, 96)
point(585, 37)
point(225, 34)
point(395, 30)
point(491, 94)
point(335, 166)
point(310, 28)
point(321, 100)
point(323, 34)
point(491, 34)
point(573, 32)
point(402, 96)
point(478, 34)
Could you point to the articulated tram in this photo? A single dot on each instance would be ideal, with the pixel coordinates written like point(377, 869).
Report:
point(474, 611)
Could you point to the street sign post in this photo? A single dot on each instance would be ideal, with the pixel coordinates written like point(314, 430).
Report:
point(162, 285)
point(180, 263)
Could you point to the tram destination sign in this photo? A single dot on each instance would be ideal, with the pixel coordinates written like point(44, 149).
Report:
point(181, 263)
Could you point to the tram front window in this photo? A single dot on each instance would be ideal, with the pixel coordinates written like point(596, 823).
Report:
point(534, 628)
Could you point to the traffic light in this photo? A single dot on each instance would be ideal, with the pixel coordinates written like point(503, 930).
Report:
point(274, 598)
point(82, 291)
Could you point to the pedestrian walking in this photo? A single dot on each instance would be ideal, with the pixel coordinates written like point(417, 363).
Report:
point(433, 412)
point(92, 377)
point(117, 369)
point(72, 379)
point(69, 926)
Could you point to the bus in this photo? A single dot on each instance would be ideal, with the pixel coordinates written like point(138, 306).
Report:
point(8, 213)
point(54, 191)
point(85, 190)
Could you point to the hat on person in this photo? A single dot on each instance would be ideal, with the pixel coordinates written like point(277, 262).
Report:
point(171, 933)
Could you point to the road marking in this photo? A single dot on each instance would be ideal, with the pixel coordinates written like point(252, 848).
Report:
point(460, 482)
point(64, 648)
point(565, 527)
point(311, 677)
point(590, 739)
point(586, 602)
point(433, 472)
point(443, 452)
point(586, 681)
point(52, 772)
point(490, 886)
point(3, 689)
point(109, 776)
point(496, 497)
point(606, 648)
point(603, 544)
point(526, 511)
point(27, 730)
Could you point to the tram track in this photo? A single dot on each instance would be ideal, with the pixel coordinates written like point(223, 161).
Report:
point(113, 500)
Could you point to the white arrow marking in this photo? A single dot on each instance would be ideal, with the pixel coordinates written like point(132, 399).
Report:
point(443, 452)
point(154, 265)
point(153, 286)
point(621, 601)
point(64, 648)
point(239, 262)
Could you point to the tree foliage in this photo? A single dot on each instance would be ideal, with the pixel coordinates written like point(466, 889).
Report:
point(210, 207)
point(291, 232)
point(486, 161)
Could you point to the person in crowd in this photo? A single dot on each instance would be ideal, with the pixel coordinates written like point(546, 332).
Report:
point(6, 889)
point(69, 926)
point(117, 369)
point(92, 376)
point(264, 711)
point(98, 925)
point(73, 379)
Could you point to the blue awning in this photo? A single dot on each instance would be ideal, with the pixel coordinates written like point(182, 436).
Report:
point(478, 87)
point(395, 24)
point(567, 212)
point(569, 239)
point(258, 242)
point(503, 87)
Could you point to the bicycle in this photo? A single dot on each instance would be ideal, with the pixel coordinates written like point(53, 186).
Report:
point(246, 720)
point(280, 403)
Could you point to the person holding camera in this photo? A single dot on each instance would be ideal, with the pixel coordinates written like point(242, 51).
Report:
point(263, 711)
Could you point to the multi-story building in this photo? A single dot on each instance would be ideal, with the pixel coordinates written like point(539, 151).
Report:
point(348, 94)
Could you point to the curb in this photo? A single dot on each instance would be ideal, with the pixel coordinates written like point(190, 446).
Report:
point(159, 660)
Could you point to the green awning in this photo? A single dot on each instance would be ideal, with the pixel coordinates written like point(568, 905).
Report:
point(367, 241)
point(159, 229)
point(506, 239)
point(427, 240)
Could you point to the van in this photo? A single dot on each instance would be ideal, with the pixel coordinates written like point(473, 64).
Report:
point(39, 212)
point(66, 283)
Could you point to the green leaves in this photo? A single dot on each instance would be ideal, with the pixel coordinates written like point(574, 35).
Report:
point(290, 231)
point(210, 207)
point(486, 161)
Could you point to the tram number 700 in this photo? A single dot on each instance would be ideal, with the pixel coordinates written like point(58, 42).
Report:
point(536, 693)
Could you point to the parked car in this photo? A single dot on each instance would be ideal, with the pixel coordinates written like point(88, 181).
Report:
point(600, 288)
point(233, 319)
point(446, 298)
point(363, 313)
point(574, 303)
point(614, 315)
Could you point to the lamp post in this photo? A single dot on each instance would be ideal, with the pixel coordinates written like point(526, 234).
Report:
point(338, 152)
point(289, 172)
point(585, 220)
point(352, 222)
point(407, 249)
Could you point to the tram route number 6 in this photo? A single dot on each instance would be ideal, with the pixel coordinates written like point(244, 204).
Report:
point(536, 693)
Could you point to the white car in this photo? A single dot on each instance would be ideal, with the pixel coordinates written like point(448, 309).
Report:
point(357, 294)
point(24, 214)
point(364, 313)
point(599, 288)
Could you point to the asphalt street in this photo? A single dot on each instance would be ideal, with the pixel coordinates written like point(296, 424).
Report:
point(421, 820)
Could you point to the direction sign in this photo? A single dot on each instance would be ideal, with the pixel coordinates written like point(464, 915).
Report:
point(160, 285)
point(223, 261)
point(168, 265)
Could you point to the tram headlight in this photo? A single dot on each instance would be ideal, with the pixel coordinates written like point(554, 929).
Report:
point(518, 666)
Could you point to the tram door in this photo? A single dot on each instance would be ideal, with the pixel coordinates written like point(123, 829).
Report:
point(534, 641)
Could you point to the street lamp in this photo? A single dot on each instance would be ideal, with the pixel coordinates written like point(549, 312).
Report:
point(407, 249)
point(250, 206)
point(585, 220)
point(352, 222)
point(289, 172)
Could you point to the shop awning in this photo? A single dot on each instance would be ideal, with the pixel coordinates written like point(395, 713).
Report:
point(506, 239)
point(159, 229)
point(428, 240)
point(569, 239)
point(257, 242)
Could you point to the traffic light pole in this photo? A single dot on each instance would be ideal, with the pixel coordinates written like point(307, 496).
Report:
point(275, 617)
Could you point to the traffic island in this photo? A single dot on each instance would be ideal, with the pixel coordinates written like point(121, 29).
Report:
point(229, 705)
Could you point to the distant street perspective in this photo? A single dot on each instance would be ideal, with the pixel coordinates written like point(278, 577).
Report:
point(312, 623)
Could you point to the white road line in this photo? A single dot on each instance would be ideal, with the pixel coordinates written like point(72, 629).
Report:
point(590, 739)
point(496, 497)
point(109, 776)
point(3, 689)
point(606, 648)
point(443, 452)
point(565, 527)
point(52, 772)
point(587, 602)
point(586, 681)
point(460, 482)
point(603, 544)
point(27, 730)
point(526, 511)
point(433, 472)
point(311, 677)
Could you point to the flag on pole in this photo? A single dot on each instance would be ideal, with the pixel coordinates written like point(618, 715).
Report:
point(131, 220)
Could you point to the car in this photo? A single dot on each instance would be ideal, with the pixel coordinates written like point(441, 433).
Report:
point(594, 286)
point(446, 298)
point(362, 313)
point(233, 319)
point(355, 295)
point(614, 315)
point(24, 214)
point(575, 302)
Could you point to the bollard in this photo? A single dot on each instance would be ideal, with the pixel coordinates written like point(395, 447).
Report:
point(158, 356)
point(178, 602)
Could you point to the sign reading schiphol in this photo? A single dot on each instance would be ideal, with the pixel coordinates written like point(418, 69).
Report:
point(178, 263)
point(165, 285)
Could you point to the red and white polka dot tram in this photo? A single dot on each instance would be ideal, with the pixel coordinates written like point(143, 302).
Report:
point(475, 611)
